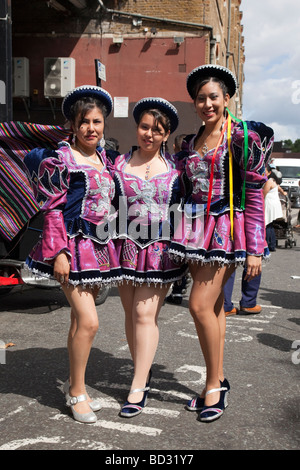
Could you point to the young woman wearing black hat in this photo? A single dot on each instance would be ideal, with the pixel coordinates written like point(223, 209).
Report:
point(226, 168)
point(74, 190)
point(149, 181)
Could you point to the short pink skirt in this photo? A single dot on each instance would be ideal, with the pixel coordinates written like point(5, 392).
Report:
point(151, 264)
point(210, 241)
point(91, 264)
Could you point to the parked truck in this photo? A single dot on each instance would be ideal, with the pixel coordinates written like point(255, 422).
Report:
point(290, 170)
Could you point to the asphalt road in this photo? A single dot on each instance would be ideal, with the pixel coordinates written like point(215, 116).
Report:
point(262, 357)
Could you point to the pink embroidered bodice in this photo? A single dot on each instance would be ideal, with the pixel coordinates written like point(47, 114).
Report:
point(76, 199)
point(148, 202)
point(198, 170)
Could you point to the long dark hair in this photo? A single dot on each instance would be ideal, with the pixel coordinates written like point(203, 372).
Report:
point(160, 118)
point(199, 84)
point(81, 107)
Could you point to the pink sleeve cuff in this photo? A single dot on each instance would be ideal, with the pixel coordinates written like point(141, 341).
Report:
point(54, 235)
point(255, 222)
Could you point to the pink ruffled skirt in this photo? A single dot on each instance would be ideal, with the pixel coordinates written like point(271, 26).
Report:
point(91, 264)
point(209, 241)
point(151, 265)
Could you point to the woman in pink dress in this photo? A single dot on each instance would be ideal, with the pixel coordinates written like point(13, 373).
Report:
point(74, 190)
point(223, 226)
point(148, 186)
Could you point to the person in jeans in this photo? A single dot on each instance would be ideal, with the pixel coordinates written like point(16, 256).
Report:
point(249, 291)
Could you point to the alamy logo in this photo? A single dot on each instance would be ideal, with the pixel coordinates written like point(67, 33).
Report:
point(2, 352)
point(296, 93)
point(296, 354)
point(2, 92)
point(154, 221)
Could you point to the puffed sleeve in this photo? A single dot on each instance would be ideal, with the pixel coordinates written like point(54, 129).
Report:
point(179, 161)
point(49, 178)
point(111, 156)
point(260, 144)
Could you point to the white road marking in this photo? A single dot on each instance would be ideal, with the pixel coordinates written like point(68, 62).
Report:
point(123, 348)
point(121, 426)
point(13, 445)
point(201, 370)
point(111, 403)
point(176, 318)
point(248, 320)
point(83, 444)
point(131, 428)
point(18, 410)
point(186, 335)
point(239, 337)
point(107, 403)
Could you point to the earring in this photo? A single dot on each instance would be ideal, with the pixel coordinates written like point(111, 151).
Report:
point(163, 147)
point(102, 142)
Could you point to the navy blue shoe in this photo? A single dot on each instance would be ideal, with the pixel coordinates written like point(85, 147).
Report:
point(149, 378)
point(133, 409)
point(197, 403)
point(213, 412)
point(225, 384)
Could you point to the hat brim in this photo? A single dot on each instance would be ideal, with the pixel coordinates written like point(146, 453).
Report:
point(210, 70)
point(157, 103)
point(84, 92)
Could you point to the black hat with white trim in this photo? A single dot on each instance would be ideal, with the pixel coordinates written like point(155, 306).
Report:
point(157, 103)
point(85, 91)
point(211, 70)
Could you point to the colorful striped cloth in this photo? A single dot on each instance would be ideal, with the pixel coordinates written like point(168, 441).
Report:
point(17, 202)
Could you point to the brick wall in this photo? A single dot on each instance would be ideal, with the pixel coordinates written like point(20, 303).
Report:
point(213, 13)
point(145, 62)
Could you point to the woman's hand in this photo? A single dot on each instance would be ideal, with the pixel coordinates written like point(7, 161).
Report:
point(61, 268)
point(253, 264)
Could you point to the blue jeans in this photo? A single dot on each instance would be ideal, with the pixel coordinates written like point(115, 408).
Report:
point(249, 292)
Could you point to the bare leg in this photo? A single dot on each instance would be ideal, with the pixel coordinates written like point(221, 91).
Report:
point(73, 322)
point(84, 326)
point(141, 310)
point(127, 295)
point(206, 307)
point(220, 314)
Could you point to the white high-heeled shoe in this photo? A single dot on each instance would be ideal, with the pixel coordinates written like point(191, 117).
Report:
point(95, 404)
point(86, 418)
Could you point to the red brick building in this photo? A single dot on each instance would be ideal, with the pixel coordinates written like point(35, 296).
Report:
point(147, 48)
